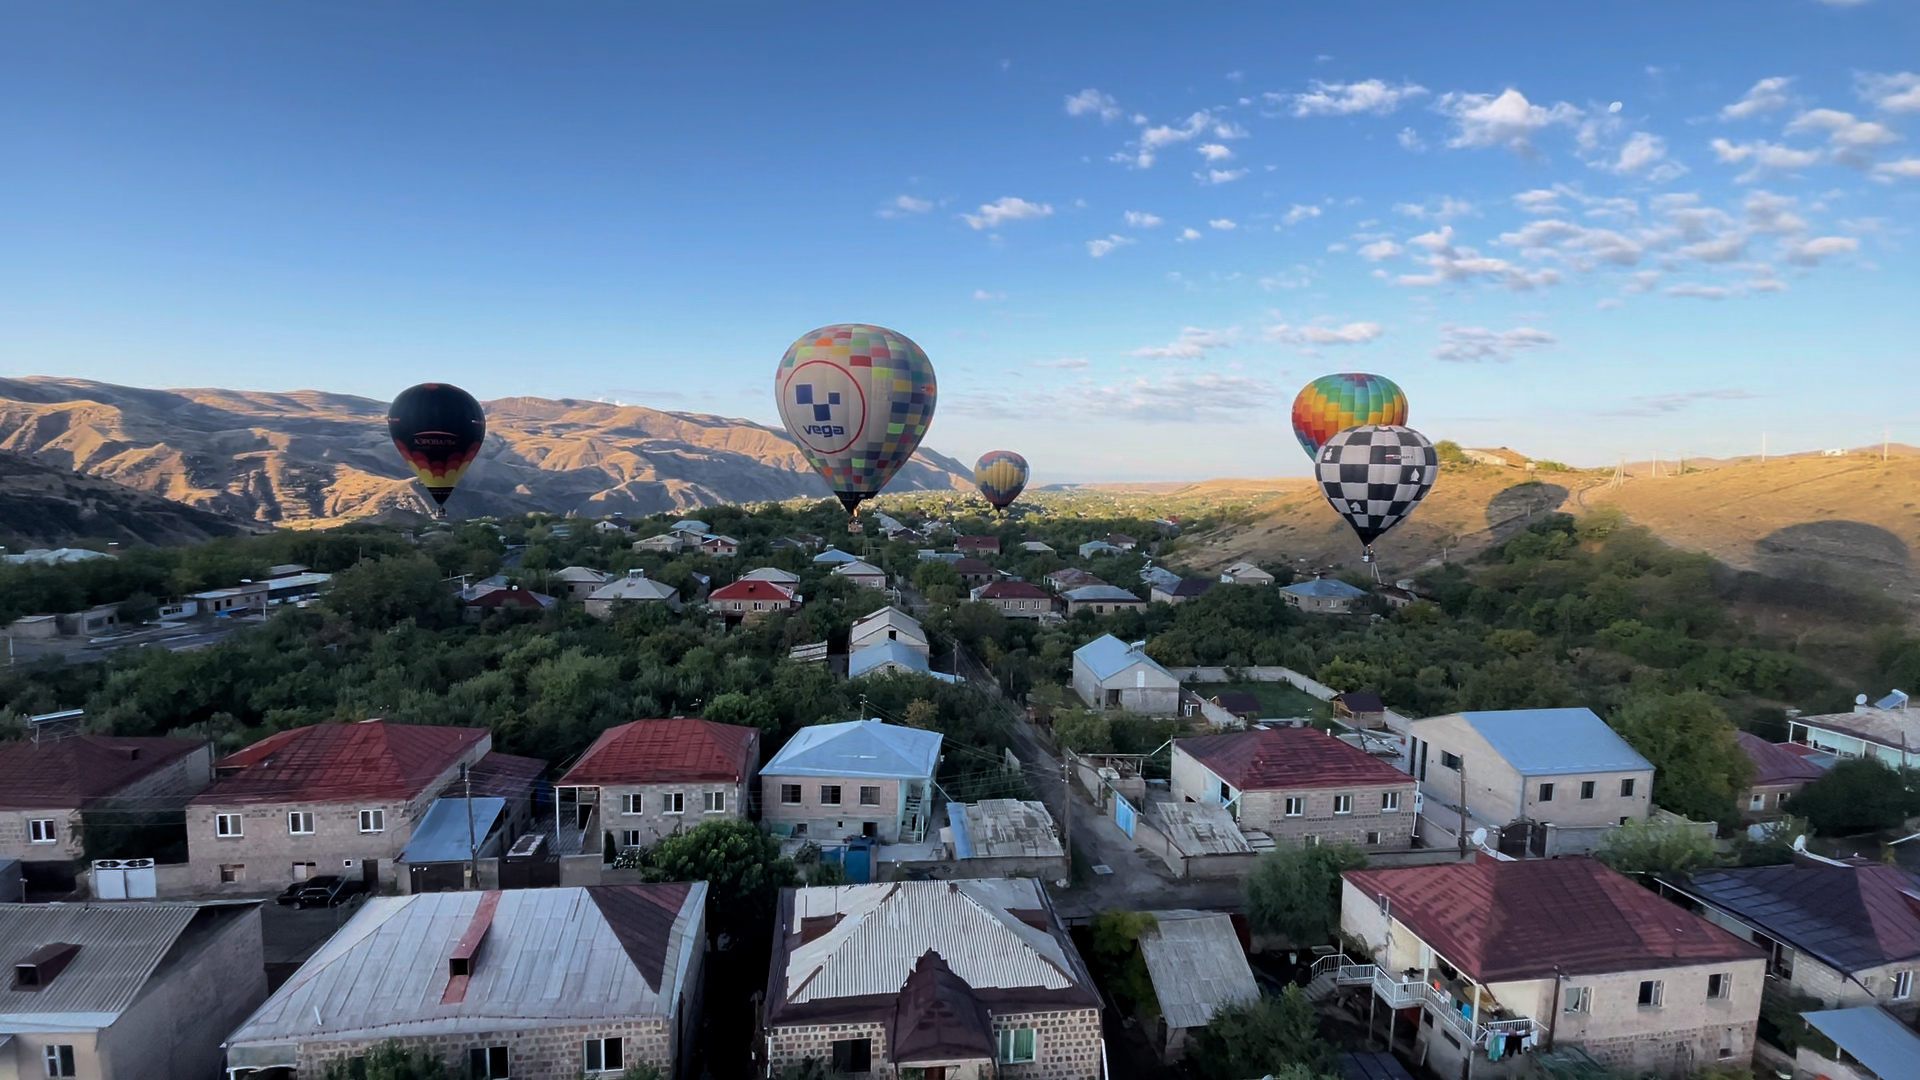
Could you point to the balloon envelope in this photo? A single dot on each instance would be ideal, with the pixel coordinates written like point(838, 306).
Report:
point(1001, 475)
point(857, 399)
point(1333, 403)
point(1374, 475)
point(438, 429)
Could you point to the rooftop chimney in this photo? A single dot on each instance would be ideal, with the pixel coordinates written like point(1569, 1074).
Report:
point(466, 953)
point(42, 964)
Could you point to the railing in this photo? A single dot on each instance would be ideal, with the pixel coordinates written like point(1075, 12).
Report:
point(1406, 993)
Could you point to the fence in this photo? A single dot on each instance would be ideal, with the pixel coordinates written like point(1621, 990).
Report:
point(1255, 674)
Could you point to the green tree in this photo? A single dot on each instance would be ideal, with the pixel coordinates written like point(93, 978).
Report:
point(1699, 768)
point(741, 865)
point(643, 1071)
point(1271, 1035)
point(1449, 451)
point(139, 607)
point(390, 1061)
point(1295, 891)
point(1120, 961)
point(378, 593)
point(1857, 796)
point(1655, 847)
point(1083, 731)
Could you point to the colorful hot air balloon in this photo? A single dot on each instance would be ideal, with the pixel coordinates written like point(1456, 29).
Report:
point(1374, 475)
point(857, 399)
point(438, 429)
point(1001, 475)
point(1333, 403)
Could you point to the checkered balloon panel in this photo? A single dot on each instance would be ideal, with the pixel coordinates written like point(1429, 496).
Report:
point(1374, 475)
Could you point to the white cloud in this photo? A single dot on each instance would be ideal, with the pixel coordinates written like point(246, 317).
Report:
point(1510, 120)
point(1221, 176)
point(1699, 292)
point(1298, 213)
point(1852, 139)
point(984, 295)
point(1463, 344)
point(1188, 234)
point(1099, 248)
point(902, 205)
point(1581, 247)
point(1766, 157)
point(1192, 344)
point(1346, 99)
point(1773, 214)
point(1445, 210)
point(1140, 219)
point(1154, 139)
point(1353, 333)
point(1904, 169)
point(1091, 102)
point(1890, 93)
point(1810, 252)
point(1214, 152)
point(1409, 139)
point(1181, 396)
point(1450, 265)
point(1662, 404)
point(1065, 363)
point(1766, 96)
point(1223, 224)
point(1538, 201)
point(1727, 247)
point(1380, 249)
point(1008, 208)
point(1641, 153)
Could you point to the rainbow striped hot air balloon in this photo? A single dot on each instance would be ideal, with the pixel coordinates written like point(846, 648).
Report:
point(857, 398)
point(1001, 475)
point(1331, 404)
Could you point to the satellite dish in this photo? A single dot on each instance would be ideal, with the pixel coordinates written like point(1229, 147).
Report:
point(1800, 842)
point(1480, 837)
point(1860, 699)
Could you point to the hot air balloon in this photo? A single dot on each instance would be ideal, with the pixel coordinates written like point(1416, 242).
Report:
point(1374, 475)
point(1333, 403)
point(857, 399)
point(1001, 475)
point(438, 429)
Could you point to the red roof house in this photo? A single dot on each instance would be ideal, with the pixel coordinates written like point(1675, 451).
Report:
point(1779, 772)
point(48, 788)
point(1299, 784)
point(751, 598)
point(988, 544)
point(373, 759)
point(655, 751)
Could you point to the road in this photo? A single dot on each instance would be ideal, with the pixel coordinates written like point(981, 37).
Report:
point(196, 635)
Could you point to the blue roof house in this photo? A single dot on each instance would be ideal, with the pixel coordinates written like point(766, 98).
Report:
point(1110, 674)
point(889, 656)
point(833, 782)
point(1326, 596)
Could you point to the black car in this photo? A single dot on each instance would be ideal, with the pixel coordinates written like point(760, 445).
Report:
point(328, 890)
point(290, 896)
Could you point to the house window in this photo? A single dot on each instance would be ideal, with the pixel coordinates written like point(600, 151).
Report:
point(1902, 985)
point(1343, 804)
point(1586, 789)
point(487, 1063)
point(1756, 801)
point(673, 803)
point(1450, 761)
point(799, 828)
point(1719, 986)
point(632, 804)
point(1310, 841)
point(300, 823)
point(829, 794)
point(1546, 792)
point(372, 821)
point(716, 802)
point(1389, 802)
point(227, 825)
point(41, 831)
point(853, 1055)
point(232, 873)
point(1017, 1045)
point(790, 794)
point(60, 1061)
point(304, 870)
point(1578, 999)
point(1626, 788)
point(1652, 992)
point(869, 796)
point(1226, 793)
point(605, 1055)
point(629, 838)
point(1373, 838)
point(1296, 806)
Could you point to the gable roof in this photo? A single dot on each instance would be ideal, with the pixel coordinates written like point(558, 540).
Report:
point(1546, 742)
point(773, 574)
point(120, 947)
point(1849, 917)
point(513, 596)
point(1361, 701)
point(634, 587)
point(1325, 587)
point(1107, 656)
point(372, 759)
point(581, 573)
point(1197, 966)
point(880, 653)
point(1011, 590)
point(971, 565)
point(859, 568)
point(938, 1018)
point(858, 748)
point(1097, 594)
point(890, 617)
point(976, 543)
point(443, 836)
point(1073, 577)
point(1274, 759)
point(747, 589)
point(833, 555)
point(1513, 920)
point(69, 773)
point(664, 751)
point(1775, 764)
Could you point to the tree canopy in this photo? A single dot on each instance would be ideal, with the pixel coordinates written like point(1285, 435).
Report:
point(1294, 892)
point(1857, 796)
point(1270, 1035)
point(1699, 769)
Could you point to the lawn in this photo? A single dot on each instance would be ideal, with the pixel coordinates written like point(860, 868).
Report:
point(1278, 700)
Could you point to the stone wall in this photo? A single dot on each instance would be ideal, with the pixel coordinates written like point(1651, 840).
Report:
point(653, 822)
point(544, 1053)
point(1066, 1044)
point(791, 1045)
point(1392, 829)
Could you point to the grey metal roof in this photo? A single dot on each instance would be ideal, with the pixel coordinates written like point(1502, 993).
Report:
point(893, 617)
point(1097, 593)
point(1884, 1045)
point(441, 836)
point(1332, 587)
point(858, 568)
point(1002, 828)
point(120, 945)
point(1546, 742)
point(1197, 966)
point(1107, 656)
point(834, 555)
point(858, 748)
point(880, 653)
point(633, 587)
point(1198, 828)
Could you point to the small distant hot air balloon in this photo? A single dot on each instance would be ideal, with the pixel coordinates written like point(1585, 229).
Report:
point(857, 399)
point(1374, 475)
point(438, 429)
point(1333, 403)
point(1001, 475)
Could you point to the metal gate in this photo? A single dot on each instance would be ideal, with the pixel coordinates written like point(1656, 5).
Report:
point(1123, 813)
point(123, 879)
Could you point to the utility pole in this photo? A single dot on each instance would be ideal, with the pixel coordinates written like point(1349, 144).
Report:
point(473, 846)
point(1066, 806)
point(1463, 807)
point(1763, 448)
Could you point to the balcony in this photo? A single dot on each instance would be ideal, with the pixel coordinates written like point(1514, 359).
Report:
point(1405, 992)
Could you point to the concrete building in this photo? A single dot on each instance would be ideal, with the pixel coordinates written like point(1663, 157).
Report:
point(238, 600)
point(972, 978)
point(975, 572)
point(1322, 596)
point(1504, 957)
point(1779, 772)
point(540, 984)
point(888, 624)
point(1062, 581)
point(1198, 839)
point(786, 578)
point(1094, 548)
point(630, 590)
point(579, 582)
point(690, 529)
point(47, 789)
point(1871, 1045)
point(859, 778)
point(751, 601)
point(1015, 599)
point(1245, 573)
point(864, 574)
point(1557, 778)
point(326, 799)
point(1300, 786)
point(652, 778)
point(137, 990)
point(1109, 674)
point(1888, 730)
point(1181, 591)
point(886, 657)
point(1101, 600)
point(1198, 967)
point(977, 545)
point(1004, 838)
point(723, 547)
point(664, 544)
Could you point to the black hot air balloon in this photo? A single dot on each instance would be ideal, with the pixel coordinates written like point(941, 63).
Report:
point(438, 429)
point(1374, 475)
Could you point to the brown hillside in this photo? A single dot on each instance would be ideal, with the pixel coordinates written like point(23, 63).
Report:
point(44, 505)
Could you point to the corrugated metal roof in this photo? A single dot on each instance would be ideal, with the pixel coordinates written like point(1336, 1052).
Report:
point(893, 617)
point(773, 574)
point(1329, 587)
point(1281, 759)
point(883, 652)
point(120, 945)
point(337, 762)
point(1884, 1045)
point(857, 568)
point(665, 751)
point(1546, 742)
point(634, 588)
point(858, 748)
point(66, 774)
point(1107, 656)
point(833, 555)
point(1198, 828)
point(1850, 917)
point(1197, 966)
point(442, 835)
point(1101, 593)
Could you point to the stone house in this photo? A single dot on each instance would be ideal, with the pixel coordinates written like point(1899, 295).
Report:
point(133, 990)
point(664, 544)
point(579, 582)
point(1062, 581)
point(1299, 785)
point(975, 979)
point(975, 572)
point(725, 547)
point(861, 573)
point(1245, 573)
point(533, 984)
point(1779, 772)
point(1110, 674)
point(888, 624)
point(978, 545)
point(48, 787)
point(1504, 957)
point(632, 589)
point(691, 530)
point(858, 778)
point(1101, 600)
point(1015, 599)
point(751, 601)
point(1322, 596)
point(326, 799)
point(1180, 591)
point(652, 778)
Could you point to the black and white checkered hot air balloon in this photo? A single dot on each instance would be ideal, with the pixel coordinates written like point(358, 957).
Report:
point(1374, 475)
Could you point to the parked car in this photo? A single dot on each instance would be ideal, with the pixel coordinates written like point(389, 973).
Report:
point(290, 896)
point(329, 890)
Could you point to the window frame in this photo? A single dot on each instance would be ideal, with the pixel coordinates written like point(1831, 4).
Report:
point(58, 1058)
point(1545, 793)
point(716, 802)
point(43, 831)
point(233, 873)
point(1342, 804)
point(1577, 999)
point(1719, 986)
point(229, 826)
point(373, 820)
point(1389, 802)
point(481, 1065)
point(1589, 789)
point(1652, 994)
point(798, 791)
point(597, 1048)
point(1294, 806)
point(298, 818)
point(1902, 988)
point(1451, 760)
point(633, 804)
point(629, 838)
point(1756, 801)
point(1008, 1052)
point(852, 1056)
point(875, 789)
point(835, 788)
point(1626, 787)
point(673, 803)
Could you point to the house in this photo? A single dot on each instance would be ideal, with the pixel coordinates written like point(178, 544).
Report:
point(632, 589)
point(1097, 547)
point(1560, 778)
point(864, 574)
point(1122, 541)
point(455, 832)
point(888, 624)
point(664, 544)
point(1888, 730)
point(1036, 547)
point(859, 778)
point(136, 990)
point(1198, 839)
point(1110, 674)
point(832, 557)
point(49, 787)
point(1182, 591)
point(1101, 600)
point(975, 572)
point(239, 600)
point(958, 978)
point(52, 556)
point(1871, 1045)
point(1324, 596)
point(996, 838)
point(774, 574)
point(1835, 932)
point(1299, 785)
point(1360, 708)
point(690, 530)
point(909, 536)
point(1015, 599)
point(579, 582)
point(1198, 967)
point(1778, 775)
point(989, 545)
point(1505, 956)
point(1158, 577)
point(751, 601)
point(652, 778)
point(891, 657)
point(546, 984)
point(1396, 597)
point(1500, 456)
point(293, 588)
point(609, 527)
point(1241, 704)
point(1071, 578)
point(325, 799)
point(1245, 573)
point(482, 600)
point(724, 547)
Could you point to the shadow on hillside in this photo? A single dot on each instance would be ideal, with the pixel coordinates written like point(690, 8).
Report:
point(1847, 546)
point(1519, 506)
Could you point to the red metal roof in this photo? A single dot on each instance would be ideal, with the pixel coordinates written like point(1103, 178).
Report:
point(69, 773)
point(660, 751)
point(1013, 590)
point(1776, 764)
point(1524, 919)
point(977, 543)
point(373, 759)
point(1272, 759)
point(751, 590)
point(972, 566)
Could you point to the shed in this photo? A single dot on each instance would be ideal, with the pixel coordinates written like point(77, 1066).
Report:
point(1197, 967)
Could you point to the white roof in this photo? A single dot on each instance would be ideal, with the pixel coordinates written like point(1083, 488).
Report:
point(857, 568)
point(1197, 966)
point(1034, 545)
point(772, 573)
point(634, 588)
point(581, 573)
point(890, 617)
point(887, 927)
point(858, 748)
point(689, 525)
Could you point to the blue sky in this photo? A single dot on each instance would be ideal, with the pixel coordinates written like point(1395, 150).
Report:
point(1125, 235)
